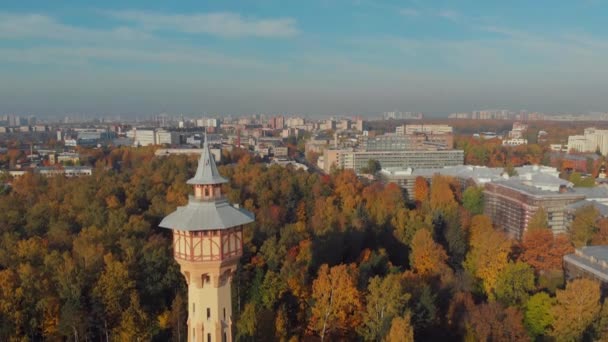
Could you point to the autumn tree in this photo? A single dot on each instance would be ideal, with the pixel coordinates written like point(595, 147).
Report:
point(427, 257)
point(386, 299)
point(401, 330)
point(492, 322)
point(543, 250)
point(488, 254)
point(442, 196)
point(421, 190)
point(576, 308)
point(584, 225)
point(337, 304)
point(601, 235)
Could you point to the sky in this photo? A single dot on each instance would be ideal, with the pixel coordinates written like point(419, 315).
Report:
point(314, 57)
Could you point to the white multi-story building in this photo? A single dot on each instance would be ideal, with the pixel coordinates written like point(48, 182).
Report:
point(430, 129)
point(515, 142)
point(357, 160)
point(165, 137)
point(142, 137)
point(592, 140)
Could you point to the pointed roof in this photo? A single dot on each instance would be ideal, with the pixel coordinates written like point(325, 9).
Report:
point(206, 172)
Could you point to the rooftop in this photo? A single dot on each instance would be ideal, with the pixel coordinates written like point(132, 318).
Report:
point(593, 259)
point(206, 215)
point(601, 208)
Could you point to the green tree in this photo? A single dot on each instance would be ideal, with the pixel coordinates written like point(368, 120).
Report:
point(584, 225)
point(135, 324)
point(472, 200)
point(537, 314)
point(538, 221)
point(514, 284)
point(112, 291)
point(578, 180)
point(372, 167)
point(425, 308)
point(386, 299)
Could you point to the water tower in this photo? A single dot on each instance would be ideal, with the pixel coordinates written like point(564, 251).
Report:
point(207, 244)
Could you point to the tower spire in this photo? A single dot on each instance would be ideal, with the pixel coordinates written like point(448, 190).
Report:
point(206, 172)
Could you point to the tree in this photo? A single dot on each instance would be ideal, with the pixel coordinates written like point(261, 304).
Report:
point(537, 314)
point(112, 290)
point(514, 284)
point(543, 250)
point(492, 322)
point(584, 225)
point(407, 224)
point(372, 167)
point(442, 196)
point(386, 299)
point(337, 303)
point(601, 326)
point(421, 190)
point(425, 308)
point(601, 235)
point(401, 330)
point(488, 253)
point(576, 308)
point(578, 180)
point(427, 257)
point(472, 200)
point(538, 221)
point(134, 325)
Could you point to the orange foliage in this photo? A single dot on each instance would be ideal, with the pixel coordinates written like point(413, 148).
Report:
point(421, 189)
point(543, 250)
point(427, 256)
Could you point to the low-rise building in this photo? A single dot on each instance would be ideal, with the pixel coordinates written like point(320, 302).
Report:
point(589, 262)
point(515, 142)
point(357, 160)
point(68, 157)
point(512, 203)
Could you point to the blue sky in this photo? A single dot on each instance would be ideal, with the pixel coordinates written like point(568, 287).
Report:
point(317, 57)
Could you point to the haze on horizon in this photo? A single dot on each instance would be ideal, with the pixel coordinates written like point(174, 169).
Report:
point(315, 57)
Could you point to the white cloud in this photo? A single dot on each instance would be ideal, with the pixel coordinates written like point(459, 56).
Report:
point(176, 56)
point(449, 15)
point(223, 24)
point(22, 26)
point(409, 12)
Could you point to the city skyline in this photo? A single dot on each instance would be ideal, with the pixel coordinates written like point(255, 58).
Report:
point(318, 58)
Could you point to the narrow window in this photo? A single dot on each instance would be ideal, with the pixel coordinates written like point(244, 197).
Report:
point(193, 308)
point(224, 314)
point(208, 337)
point(208, 313)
